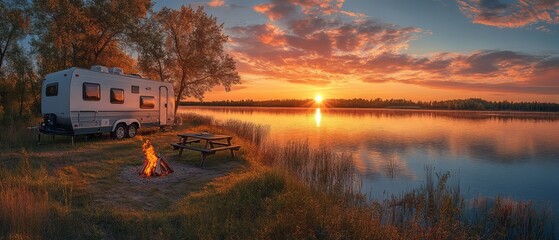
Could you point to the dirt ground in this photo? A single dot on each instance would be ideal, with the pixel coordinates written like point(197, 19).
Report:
point(136, 192)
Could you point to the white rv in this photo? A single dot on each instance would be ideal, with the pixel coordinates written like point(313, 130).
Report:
point(79, 101)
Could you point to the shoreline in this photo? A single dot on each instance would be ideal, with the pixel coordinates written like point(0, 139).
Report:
point(374, 108)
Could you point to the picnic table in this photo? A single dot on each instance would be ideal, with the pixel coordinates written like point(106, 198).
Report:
point(213, 143)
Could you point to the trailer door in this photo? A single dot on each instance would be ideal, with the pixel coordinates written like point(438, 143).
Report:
point(163, 105)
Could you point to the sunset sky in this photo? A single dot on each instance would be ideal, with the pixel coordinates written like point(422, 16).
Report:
point(418, 50)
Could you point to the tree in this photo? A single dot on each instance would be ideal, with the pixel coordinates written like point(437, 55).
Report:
point(56, 27)
point(14, 24)
point(148, 39)
point(191, 52)
point(25, 81)
point(85, 33)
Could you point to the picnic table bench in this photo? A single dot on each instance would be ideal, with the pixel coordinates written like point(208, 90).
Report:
point(212, 140)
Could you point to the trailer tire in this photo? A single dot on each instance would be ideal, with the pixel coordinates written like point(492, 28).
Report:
point(132, 130)
point(120, 131)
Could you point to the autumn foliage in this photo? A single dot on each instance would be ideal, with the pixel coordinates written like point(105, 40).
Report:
point(184, 47)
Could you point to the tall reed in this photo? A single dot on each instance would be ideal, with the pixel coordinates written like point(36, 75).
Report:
point(433, 210)
point(437, 209)
point(319, 168)
point(506, 218)
point(255, 133)
point(196, 119)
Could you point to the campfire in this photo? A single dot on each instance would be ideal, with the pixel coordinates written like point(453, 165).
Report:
point(154, 164)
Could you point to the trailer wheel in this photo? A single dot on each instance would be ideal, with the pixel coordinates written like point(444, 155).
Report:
point(120, 131)
point(132, 130)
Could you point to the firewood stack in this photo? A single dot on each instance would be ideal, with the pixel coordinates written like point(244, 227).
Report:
point(159, 168)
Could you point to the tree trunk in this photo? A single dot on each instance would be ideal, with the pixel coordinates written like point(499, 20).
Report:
point(160, 71)
point(178, 99)
point(22, 94)
point(35, 93)
point(6, 47)
point(182, 87)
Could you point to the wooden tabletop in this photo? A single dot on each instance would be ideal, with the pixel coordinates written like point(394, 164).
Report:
point(204, 136)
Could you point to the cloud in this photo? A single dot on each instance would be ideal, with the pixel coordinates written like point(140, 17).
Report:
point(315, 82)
point(507, 14)
point(488, 70)
point(491, 87)
point(319, 49)
point(216, 3)
point(544, 28)
point(280, 9)
point(489, 62)
point(276, 10)
point(546, 72)
point(319, 45)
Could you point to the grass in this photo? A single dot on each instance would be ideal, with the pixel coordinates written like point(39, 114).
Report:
point(30, 197)
point(271, 204)
point(18, 135)
point(291, 191)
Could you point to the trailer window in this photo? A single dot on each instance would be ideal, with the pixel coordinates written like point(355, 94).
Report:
point(51, 90)
point(117, 96)
point(135, 89)
point(91, 92)
point(147, 102)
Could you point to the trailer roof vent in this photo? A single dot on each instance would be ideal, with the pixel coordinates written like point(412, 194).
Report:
point(99, 68)
point(116, 70)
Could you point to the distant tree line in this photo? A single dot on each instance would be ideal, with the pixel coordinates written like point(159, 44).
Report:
point(457, 104)
point(183, 46)
point(252, 103)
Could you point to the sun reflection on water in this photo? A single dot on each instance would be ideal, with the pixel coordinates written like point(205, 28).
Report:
point(317, 117)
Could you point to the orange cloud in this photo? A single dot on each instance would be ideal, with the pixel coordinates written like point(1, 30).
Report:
point(280, 9)
point(503, 14)
point(275, 10)
point(216, 3)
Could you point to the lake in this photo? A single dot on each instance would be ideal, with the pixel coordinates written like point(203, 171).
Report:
point(490, 153)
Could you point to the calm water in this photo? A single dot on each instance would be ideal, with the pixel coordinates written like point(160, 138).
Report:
point(507, 154)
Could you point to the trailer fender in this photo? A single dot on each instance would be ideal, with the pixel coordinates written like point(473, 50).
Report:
point(127, 122)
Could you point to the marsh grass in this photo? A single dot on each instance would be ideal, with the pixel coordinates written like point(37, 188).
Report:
point(195, 119)
point(319, 168)
point(433, 210)
point(506, 218)
point(254, 133)
point(438, 210)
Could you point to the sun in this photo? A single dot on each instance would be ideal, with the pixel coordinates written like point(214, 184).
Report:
point(318, 99)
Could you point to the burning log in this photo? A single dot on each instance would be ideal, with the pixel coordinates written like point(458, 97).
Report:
point(154, 164)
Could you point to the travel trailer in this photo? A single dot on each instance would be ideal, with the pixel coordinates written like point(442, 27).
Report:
point(80, 101)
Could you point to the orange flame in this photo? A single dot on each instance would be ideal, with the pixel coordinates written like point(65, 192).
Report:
point(151, 158)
